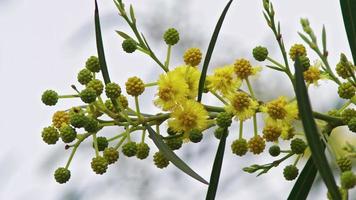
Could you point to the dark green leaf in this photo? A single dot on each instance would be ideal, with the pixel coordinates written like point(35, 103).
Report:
point(210, 51)
point(323, 37)
point(311, 133)
point(304, 182)
point(348, 8)
point(123, 35)
point(100, 46)
point(132, 15)
point(171, 156)
point(215, 173)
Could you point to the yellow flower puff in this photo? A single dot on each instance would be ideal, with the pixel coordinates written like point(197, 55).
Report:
point(280, 110)
point(187, 116)
point(172, 90)
point(242, 106)
point(287, 130)
point(313, 74)
point(191, 75)
point(244, 69)
point(223, 80)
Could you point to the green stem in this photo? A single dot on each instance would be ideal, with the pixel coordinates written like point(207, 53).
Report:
point(68, 96)
point(151, 84)
point(241, 129)
point(219, 97)
point(120, 142)
point(276, 62)
point(96, 145)
point(250, 88)
point(168, 57)
point(75, 148)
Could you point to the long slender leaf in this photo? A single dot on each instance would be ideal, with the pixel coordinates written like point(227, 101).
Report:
point(311, 133)
point(304, 182)
point(171, 156)
point(210, 50)
point(348, 8)
point(100, 46)
point(215, 173)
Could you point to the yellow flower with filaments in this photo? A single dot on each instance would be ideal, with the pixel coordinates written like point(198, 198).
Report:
point(224, 80)
point(280, 111)
point(242, 106)
point(191, 75)
point(190, 115)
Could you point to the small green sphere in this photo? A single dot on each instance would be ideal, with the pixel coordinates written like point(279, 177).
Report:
point(290, 172)
point(49, 97)
point(305, 62)
point(111, 155)
point(102, 143)
point(50, 135)
point(84, 76)
point(78, 120)
point(239, 147)
point(348, 179)
point(274, 150)
point(129, 45)
point(96, 85)
point(352, 124)
point(346, 90)
point(67, 133)
point(92, 125)
point(220, 131)
point(142, 151)
point(62, 175)
point(99, 165)
point(109, 105)
point(88, 95)
point(195, 136)
point(224, 119)
point(348, 114)
point(160, 160)
point(129, 149)
point(174, 143)
point(171, 131)
point(93, 64)
point(344, 164)
point(260, 53)
point(112, 90)
point(171, 36)
point(343, 70)
point(298, 146)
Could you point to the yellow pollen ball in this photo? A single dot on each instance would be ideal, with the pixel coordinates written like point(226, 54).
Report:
point(243, 68)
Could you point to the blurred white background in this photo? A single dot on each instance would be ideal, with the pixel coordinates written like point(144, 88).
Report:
point(43, 44)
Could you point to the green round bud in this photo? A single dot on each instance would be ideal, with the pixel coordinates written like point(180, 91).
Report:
point(348, 114)
point(348, 179)
point(67, 133)
point(274, 150)
point(96, 85)
point(220, 131)
point(112, 90)
point(174, 143)
point(298, 146)
point(224, 119)
point(195, 136)
point(305, 62)
point(129, 45)
point(84, 76)
point(78, 120)
point(109, 105)
point(344, 164)
point(171, 36)
point(343, 70)
point(92, 125)
point(111, 155)
point(50, 135)
point(102, 143)
point(88, 95)
point(142, 151)
point(160, 160)
point(99, 165)
point(290, 172)
point(346, 90)
point(170, 131)
point(49, 97)
point(62, 175)
point(129, 149)
point(260, 53)
point(93, 64)
point(352, 124)
point(239, 147)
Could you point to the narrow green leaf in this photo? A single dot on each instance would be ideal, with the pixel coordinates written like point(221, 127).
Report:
point(171, 156)
point(304, 182)
point(215, 173)
point(132, 15)
point(210, 50)
point(275, 68)
point(323, 37)
point(100, 46)
point(123, 35)
point(311, 133)
point(348, 8)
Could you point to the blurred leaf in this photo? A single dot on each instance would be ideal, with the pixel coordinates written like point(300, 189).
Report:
point(210, 50)
point(323, 37)
point(215, 173)
point(348, 8)
point(311, 133)
point(171, 156)
point(123, 35)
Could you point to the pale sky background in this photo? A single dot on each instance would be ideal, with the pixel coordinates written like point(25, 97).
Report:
point(43, 44)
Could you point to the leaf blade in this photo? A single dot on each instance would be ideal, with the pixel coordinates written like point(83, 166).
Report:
point(348, 8)
point(171, 156)
point(210, 50)
point(311, 133)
